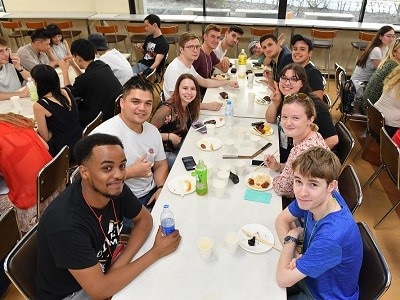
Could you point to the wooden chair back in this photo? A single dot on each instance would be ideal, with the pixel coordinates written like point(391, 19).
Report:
point(92, 125)
point(35, 25)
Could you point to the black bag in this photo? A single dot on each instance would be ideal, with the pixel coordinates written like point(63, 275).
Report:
point(348, 96)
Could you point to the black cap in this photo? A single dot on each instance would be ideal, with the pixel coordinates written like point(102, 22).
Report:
point(298, 37)
point(98, 41)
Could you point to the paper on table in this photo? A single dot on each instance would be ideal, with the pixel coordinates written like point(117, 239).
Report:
point(257, 196)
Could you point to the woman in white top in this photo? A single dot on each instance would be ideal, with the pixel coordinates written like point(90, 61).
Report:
point(389, 102)
point(59, 46)
point(372, 56)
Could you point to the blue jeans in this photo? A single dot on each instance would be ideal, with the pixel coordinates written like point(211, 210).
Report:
point(138, 68)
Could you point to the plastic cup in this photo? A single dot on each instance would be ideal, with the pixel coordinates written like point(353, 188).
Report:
point(223, 176)
point(255, 140)
point(210, 168)
point(251, 96)
point(219, 188)
point(224, 167)
point(236, 63)
point(228, 145)
point(250, 78)
point(240, 131)
point(239, 167)
point(210, 129)
point(205, 247)
point(231, 241)
point(16, 102)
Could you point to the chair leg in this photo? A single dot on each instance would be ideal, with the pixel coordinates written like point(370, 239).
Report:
point(387, 214)
point(348, 60)
point(366, 143)
point(374, 176)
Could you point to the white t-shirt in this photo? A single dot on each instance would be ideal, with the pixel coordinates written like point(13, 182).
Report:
point(389, 105)
point(9, 81)
point(175, 69)
point(364, 74)
point(219, 52)
point(135, 145)
point(118, 64)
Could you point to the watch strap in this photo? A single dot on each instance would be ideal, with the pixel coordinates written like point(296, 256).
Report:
point(289, 239)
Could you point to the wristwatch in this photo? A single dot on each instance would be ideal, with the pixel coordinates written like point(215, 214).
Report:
point(20, 70)
point(289, 239)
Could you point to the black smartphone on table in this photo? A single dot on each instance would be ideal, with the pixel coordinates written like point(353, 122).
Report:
point(255, 162)
point(189, 163)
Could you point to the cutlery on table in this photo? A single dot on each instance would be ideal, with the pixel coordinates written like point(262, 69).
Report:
point(260, 239)
point(266, 146)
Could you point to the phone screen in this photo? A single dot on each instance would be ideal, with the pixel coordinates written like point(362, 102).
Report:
point(255, 162)
point(198, 125)
point(189, 163)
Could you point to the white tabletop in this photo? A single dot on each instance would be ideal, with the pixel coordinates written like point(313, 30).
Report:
point(164, 18)
point(26, 107)
point(182, 274)
point(242, 21)
point(51, 15)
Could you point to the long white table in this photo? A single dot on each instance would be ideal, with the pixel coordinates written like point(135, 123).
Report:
point(183, 274)
point(26, 107)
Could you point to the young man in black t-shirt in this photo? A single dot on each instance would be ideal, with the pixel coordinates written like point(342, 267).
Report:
point(78, 255)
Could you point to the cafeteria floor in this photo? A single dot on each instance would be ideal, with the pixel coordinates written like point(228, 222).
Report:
point(375, 204)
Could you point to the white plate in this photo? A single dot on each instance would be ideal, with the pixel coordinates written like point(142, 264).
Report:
point(209, 144)
point(254, 131)
point(254, 187)
point(220, 121)
point(188, 183)
point(221, 76)
point(230, 96)
point(261, 80)
point(263, 232)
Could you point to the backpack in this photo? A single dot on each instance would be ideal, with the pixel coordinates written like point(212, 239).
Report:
point(348, 96)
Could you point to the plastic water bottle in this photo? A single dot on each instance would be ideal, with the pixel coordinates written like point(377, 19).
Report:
point(201, 178)
point(32, 90)
point(167, 220)
point(242, 62)
point(229, 113)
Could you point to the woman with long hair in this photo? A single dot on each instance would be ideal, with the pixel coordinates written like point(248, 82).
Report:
point(374, 88)
point(297, 119)
point(175, 116)
point(22, 154)
point(55, 112)
point(389, 102)
point(372, 57)
point(293, 79)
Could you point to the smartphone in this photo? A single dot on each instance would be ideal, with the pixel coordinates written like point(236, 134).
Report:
point(189, 163)
point(258, 74)
point(202, 130)
point(255, 162)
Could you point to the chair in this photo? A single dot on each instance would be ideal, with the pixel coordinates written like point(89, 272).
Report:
point(375, 121)
point(52, 177)
point(92, 125)
point(20, 264)
point(67, 29)
point(345, 144)
point(16, 31)
point(338, 69)
point(75, 175)
point(375, 276)
point(110, 33)
point(363, 41)
point(117, 107)
point(136, 34)
point(171, 34)
point(390, 161)
point(257, 32)
point(350, 188)
point(323, 39)
point(35, 25)
point(327, 100)
point(9, 231)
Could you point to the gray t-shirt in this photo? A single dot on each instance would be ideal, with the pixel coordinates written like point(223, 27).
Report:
point(9, 81)
point(29, 58)
point(364, 74)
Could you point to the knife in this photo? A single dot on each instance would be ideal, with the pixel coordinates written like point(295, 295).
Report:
point(266, 146)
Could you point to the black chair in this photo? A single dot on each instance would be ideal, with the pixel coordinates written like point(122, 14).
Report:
point(350, 188)
point(327, 100)
point(390, 161)
point(375, 276)
point(20, 264)
point(345, 144)
point(117, 106)
point(92, 125)
point(9, 231)
point(338, 70)
point(75, 175)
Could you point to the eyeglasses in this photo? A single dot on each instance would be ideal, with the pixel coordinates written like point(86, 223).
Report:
point(390, 36)
point(6, 50)
point(292, 80)
point(295, 96)
point(192, 47)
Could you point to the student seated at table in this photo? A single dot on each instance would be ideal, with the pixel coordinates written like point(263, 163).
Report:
point(256, 53)
point(302, 49)
point(280, 57)
point(58, 45)
point(373, 89)
point(293, 80)
point(78, 254)
point(118, 63)
point(231, 40)
point(22, 154)
point(146, 165)
point(155, 47)
point(371, 58)
point(389, 102)
point(297, 117)
point(97, 86)
point(36, 52)
point(55, 112)
point(189, 48)
point(329, 264)
point(174, 117)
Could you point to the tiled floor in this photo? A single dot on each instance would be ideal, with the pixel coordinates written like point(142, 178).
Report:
point(375, 205)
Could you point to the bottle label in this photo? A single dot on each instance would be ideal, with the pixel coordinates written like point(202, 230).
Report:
point(201, 182)
point(167, 226)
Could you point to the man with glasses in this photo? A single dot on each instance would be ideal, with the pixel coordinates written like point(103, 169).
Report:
point(230, 40)
point(189, 48)
point(155, 47)
point(12, 74)
point(37, 51)
point(302, 49)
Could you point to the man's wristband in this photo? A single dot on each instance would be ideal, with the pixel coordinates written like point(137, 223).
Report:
point(160, 187)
